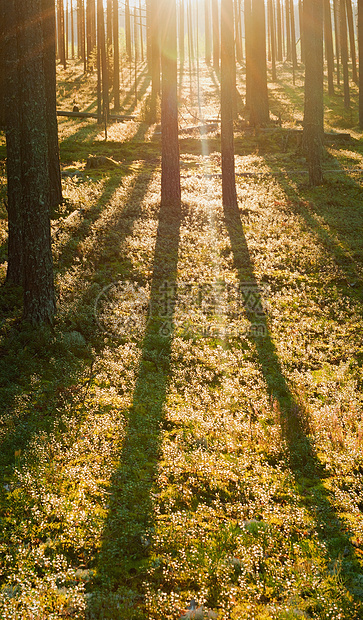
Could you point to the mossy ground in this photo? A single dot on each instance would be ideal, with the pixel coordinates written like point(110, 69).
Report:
point(211, 446)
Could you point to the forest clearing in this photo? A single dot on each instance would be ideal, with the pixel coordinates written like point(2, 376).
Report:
point(186, 439)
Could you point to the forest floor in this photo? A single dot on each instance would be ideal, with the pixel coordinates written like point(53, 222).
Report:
point(190, 431)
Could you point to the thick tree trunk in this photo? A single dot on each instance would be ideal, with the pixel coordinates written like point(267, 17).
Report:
point(30, 146)
point(228, 86)
point(314, 109)
point(329, 52)
point(14, 273)
point(170, 167)
point(259, 94)
point(49, 29)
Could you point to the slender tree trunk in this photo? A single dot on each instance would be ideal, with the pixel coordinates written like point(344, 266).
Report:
point(293, 35)
point(116, 57)
point(141, 32)
point(216, 40)
point(109, 24)
point(170, 167)
point(337, 37)
point(271, 27)
point(128, 29)
point(148, 36)
point(279, 31)
point(344, 51)
point(314, 108)
point(61, 34)
point(208, 43)
point(155, 50)
point(259, 100)
point(352, 40)
point(228, 86)
point(288, 29)
point(248, 39)
point(301, 19)
point(360, 48)
point(329, 53)
point(72, 30)
point(181, 32)
point(104, 67)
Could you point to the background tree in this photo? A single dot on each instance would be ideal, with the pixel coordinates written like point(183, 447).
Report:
point(313, 102)
point(360, 48)
point(228, 86)
point(259, 110)
point(170, 166)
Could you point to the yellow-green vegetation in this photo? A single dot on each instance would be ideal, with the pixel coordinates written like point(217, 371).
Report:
point(191, 428)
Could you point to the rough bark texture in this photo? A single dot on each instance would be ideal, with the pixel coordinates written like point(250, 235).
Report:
point(259, 114)
point(14, 273)
point(229, 196)
point(28, 161)
point(170, 167)
point(49, 29)
point(314, 109)
point(2, 61)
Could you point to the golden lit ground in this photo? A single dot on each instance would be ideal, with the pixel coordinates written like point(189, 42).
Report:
point(213, 452)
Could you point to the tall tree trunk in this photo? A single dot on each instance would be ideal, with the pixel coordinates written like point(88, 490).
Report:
point(329, 52)
point(155, 51)
point(109, 24)
point(103, 56)
point(271, 28)
point(337, 37)
point(301, 19)
point(228, 86)
point(61, 34)
point(116, 58)
point(352, 40)
point(12, 100)
point(249, 41)
point(288, 29)
point(170, 167)
point(72, 30)
point(279, 31)
point(148, 36)
point(128, 29)
point(360, 49)
point(259, 100)
point(181, 32)
point(141, 32)
point(215, 28)
point(49, 30)
point(344, 51)
point(207, 29)
point(314, 109)
point(293, 34)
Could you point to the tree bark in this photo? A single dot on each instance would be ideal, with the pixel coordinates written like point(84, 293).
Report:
point(208, 43)
point(352, 40)
point(228, 86)
point(170, 167)
point(116, 58)
point(360, 49)
point(248, 40)
point(128, 29)
point(28, 157)
point(215, 28)
point(271, 27)
point(314, 109)
point(49, 30)
point(329, 52)
point(344, 51)
point(259, 94)
point(337, 37)
point(279, 31)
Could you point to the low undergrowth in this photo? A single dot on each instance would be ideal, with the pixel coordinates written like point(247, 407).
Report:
point(190, 430)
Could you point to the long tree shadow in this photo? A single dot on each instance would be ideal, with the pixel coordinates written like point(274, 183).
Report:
point(123, 558)
point(303, 459)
